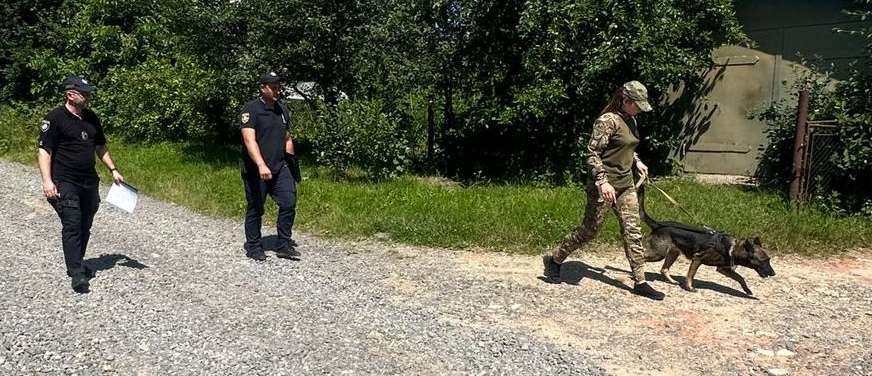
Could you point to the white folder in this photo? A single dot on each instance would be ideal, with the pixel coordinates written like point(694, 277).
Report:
point(123, 195)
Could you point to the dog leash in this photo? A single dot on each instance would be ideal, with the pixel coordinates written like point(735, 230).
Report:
point(672, 200)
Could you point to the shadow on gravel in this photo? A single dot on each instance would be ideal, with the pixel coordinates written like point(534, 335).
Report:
point(271, 242)
point(572, 272)
point(697, 283)
point(106, 262)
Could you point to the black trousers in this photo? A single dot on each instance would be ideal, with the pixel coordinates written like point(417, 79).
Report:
point(76, 208)
point(283, 190)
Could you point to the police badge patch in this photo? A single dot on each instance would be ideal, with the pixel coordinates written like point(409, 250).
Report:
point(245, 118)
point(84, 136)
point(45, 125)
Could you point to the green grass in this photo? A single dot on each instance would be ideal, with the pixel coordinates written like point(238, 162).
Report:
point(529, 220)
point(421, 211)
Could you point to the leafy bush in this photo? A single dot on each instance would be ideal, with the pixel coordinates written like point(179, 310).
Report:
point(855, 131)
point(535, 77)
point(856, 121)
point(363, 134)
point(159, 100)
point(516, 84)
point(151, 59)
point(19, 127)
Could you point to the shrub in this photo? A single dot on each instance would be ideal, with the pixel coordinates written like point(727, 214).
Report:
point(160, 100)
point(363, 134)
point(19, 127)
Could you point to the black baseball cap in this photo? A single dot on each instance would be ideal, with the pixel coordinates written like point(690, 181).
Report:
point(269, 78)
point(79, 84)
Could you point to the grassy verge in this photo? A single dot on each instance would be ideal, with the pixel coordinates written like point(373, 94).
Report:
point(423, 211)
point(428, 212)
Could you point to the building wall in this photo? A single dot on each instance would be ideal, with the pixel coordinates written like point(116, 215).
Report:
point(748, 79)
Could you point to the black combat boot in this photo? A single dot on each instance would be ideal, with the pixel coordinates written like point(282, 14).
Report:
point(287, 252)
point(552, 269)
point(256, 255)
point(79, 282)
point(645, 289)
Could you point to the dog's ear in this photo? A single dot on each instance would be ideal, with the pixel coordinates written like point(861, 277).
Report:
point(748, 245)
point(757, 241)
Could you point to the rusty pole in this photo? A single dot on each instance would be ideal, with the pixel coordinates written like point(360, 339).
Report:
point(799, 146)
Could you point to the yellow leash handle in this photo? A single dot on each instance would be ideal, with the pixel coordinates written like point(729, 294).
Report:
point(672, 200)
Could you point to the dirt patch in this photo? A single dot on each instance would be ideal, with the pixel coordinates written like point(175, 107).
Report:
point(815, 311)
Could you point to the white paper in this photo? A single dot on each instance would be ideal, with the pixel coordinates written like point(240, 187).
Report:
point(123, 195)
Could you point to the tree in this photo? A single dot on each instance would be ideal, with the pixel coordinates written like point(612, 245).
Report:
point(21, 29)
point(532, 75)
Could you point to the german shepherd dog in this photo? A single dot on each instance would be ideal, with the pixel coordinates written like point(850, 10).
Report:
point(702, 247)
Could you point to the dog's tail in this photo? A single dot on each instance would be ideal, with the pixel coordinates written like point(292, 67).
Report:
point(651, 222)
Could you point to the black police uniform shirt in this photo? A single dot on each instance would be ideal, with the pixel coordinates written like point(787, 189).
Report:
point(72, 142)
point(270, 127)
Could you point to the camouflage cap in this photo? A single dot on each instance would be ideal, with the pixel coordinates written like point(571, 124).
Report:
point(638, 93)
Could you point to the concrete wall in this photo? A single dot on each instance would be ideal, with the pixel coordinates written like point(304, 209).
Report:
point(747, 79)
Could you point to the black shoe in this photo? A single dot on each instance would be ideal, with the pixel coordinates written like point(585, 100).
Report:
point(287, 253)
point(645, 289)
point(256, 255)
point(80, 284)
point(552, 269)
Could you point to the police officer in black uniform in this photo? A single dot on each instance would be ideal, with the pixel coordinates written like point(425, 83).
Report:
point(70, 137)
point(267, 150)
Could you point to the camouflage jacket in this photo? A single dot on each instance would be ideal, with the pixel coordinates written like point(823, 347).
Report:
point(612, 150)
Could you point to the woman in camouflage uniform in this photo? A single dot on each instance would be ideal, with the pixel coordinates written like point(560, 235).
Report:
point(612, 157)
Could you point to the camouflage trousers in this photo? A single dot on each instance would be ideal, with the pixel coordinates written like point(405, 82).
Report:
point(627, 210)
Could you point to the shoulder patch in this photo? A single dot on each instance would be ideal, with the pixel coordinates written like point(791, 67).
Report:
point(608, 116)
point(45, 125)
point(245, 117)
point(611, 119)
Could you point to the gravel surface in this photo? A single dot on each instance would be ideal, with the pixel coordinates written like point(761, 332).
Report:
point(174, 294)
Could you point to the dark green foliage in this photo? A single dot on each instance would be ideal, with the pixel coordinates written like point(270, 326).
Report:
point(22, 28)
point(855, 133)
point(159, 100)
point(19, 128)
point(364, 134)
point(515, 84)
point(527, 78)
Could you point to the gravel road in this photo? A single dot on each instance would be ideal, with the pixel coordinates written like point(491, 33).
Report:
point(174, 294)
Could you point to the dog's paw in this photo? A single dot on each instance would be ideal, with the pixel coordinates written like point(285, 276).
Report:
point(549, 280)
point(688, 288)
